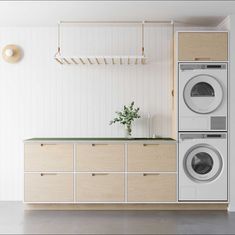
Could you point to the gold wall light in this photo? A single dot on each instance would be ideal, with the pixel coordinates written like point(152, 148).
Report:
point(11, 53)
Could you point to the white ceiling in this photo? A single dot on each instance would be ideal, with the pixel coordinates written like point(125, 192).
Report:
point(48, 13)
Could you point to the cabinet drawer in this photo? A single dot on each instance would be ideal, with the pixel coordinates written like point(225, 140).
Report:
point(152, 157)
point(45, 187)
point(202, 46)
point(150, 187)
point(48, 157)
point(100, 157)
point(100, 187)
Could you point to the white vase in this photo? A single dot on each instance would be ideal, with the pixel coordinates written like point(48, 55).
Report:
point(127, 131)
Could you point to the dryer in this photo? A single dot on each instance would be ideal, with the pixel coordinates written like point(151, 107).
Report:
point(203, 167)
point(202, 96)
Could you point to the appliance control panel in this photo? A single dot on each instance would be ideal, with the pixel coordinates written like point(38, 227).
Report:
point(197, 66)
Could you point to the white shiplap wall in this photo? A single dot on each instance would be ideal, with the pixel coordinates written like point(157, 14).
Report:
point(40, 98)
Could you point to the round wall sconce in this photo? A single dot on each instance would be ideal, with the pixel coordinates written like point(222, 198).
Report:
point(11, 53)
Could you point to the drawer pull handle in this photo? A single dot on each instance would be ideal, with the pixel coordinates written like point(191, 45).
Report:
point(145, 145)
point(44, 174)
point(198, 58)
point(94, 174)
point(146, 174)
point(46, 144)
point(93, 145)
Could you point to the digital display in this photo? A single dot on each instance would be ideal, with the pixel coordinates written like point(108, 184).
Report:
point(214, 136)
point(213, 66)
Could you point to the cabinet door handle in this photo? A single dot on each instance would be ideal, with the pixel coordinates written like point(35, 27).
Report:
point(201, 58)
point(45, 174)
point(146, 174)
point(95, 174)
point(145, 145)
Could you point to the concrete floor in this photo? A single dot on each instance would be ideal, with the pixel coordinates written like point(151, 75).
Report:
point(14, 220)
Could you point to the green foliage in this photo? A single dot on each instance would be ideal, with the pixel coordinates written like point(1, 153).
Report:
point(127, 115)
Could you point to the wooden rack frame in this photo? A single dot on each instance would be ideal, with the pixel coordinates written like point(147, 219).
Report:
point(107, 59)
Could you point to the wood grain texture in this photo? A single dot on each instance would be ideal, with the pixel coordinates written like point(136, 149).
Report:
point(48, 157)
point(48, 187)
point(151, 187)
point(172, 206)
point(100, 157)
point(203, 46)
point(152, 157)
point(99, 187)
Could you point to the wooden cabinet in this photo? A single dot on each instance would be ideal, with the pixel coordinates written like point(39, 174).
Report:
point(48, 157)
point(151, 187)
point(100, 187)
point(151, 157)
point(202, 46)
point(48, 187)
point(100, 157)
point(100, 173)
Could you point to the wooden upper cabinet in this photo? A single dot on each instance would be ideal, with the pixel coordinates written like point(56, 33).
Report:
point(202, 46)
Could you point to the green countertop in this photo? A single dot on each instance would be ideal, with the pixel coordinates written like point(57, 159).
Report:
point(98, 139)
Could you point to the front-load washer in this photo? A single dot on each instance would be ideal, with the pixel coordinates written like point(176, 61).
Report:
point(202, 96)
point(202, 166)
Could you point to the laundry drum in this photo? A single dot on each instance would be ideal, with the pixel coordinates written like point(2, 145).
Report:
point(203, 94)
point(202, 163)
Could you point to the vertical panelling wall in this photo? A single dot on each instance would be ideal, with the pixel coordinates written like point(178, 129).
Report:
point(40, 98)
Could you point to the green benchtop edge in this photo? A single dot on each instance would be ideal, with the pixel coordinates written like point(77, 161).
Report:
point(94, 139)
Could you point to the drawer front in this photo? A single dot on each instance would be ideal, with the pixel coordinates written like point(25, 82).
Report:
point(100, 187)
point(151, 157)
point(48, 157)
point(151, 187)
point(199, 46)
point(48, 187)
point(100, 157)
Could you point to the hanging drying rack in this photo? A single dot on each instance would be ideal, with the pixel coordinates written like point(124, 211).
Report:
point(107, 59)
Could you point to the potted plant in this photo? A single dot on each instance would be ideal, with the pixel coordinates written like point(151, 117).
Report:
point(126, 117)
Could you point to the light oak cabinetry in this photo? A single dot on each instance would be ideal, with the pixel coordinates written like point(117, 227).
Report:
point(202, 46)
point(48, 187)
point(152, 187)
point(152, 157)
point(48, 157)
point(100, 172)
point(100, 184)
point(100, 157)
point(48, 173)
point(156, 177)
point(100, 187)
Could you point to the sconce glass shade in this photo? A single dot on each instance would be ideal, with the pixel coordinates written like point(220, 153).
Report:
point(11, 53)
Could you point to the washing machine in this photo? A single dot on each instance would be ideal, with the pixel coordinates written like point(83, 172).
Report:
point(202, 96)
point(203, 174)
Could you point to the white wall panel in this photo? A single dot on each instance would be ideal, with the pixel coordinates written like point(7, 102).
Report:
point(40, 98)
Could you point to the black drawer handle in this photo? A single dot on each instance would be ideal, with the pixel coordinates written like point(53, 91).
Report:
point(146, 174)
point(45, 174)
point(145, 145)
point(96, 174)
point(46, 144)
point(93, 145)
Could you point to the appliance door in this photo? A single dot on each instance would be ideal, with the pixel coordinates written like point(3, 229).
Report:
point(203, 163)
point(203, 94)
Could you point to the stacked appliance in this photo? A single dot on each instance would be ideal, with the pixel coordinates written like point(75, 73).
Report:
point(202, 131)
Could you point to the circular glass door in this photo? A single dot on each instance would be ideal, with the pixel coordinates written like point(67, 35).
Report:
point(203, 94)
point(202, 163)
